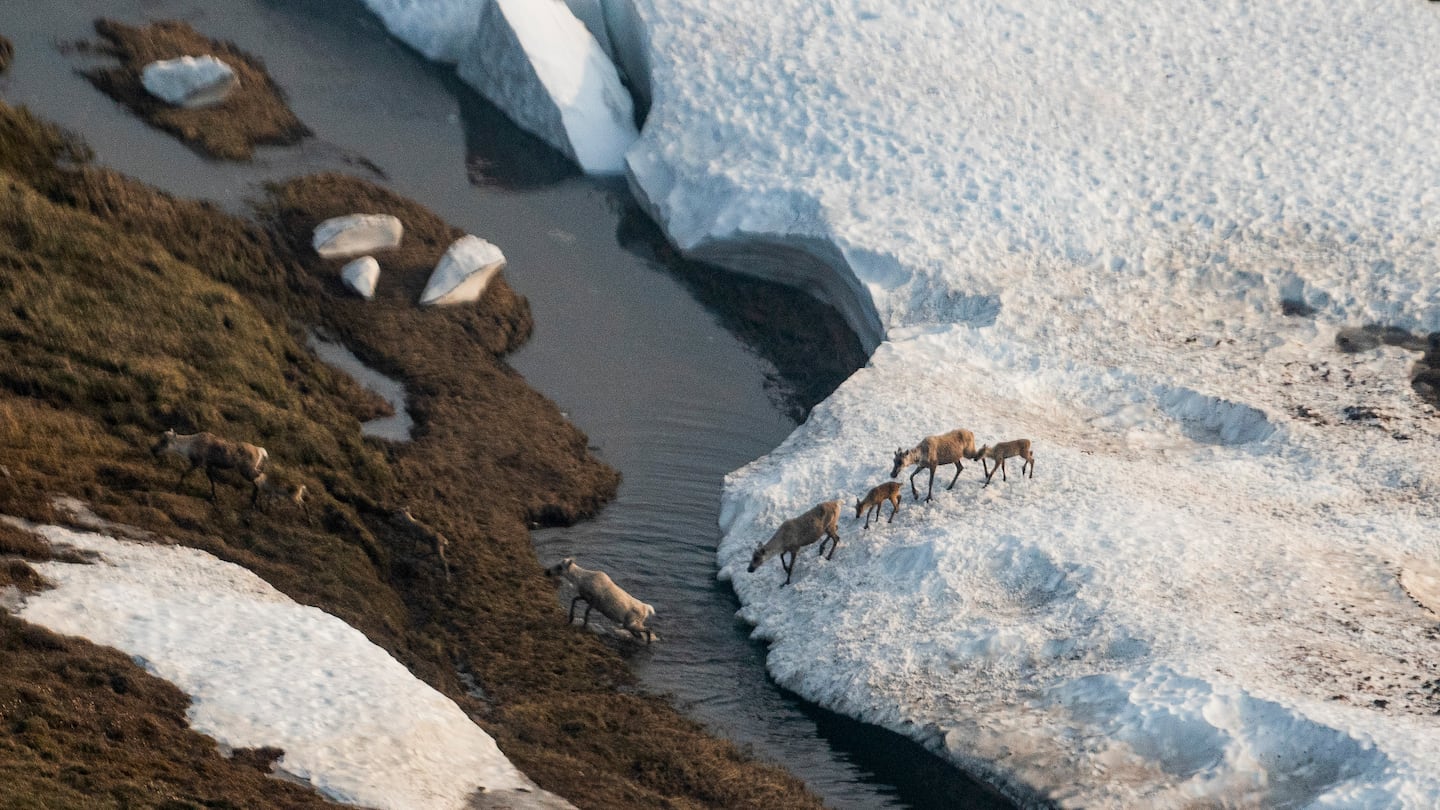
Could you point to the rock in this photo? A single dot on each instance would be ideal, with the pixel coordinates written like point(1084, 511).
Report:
point(361, 275)
point(190, 81)
point(535, 61)
point(463, 272)
point(357, 234)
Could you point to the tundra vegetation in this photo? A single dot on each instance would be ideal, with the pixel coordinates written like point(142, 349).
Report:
point(85, 386)
point(255, 113)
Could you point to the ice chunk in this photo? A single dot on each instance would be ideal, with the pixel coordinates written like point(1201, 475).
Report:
point(537, 62)
point(190, 81)
point(356, 234)
point(592, 14)
point(440, 29)
point(361, 276)
point(463, 272)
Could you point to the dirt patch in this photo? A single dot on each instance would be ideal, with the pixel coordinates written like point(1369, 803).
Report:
point(85, 386)
point(255, 113)
point(1424, 375)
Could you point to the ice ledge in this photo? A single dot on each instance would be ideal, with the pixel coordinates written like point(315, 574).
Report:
point(814, 264)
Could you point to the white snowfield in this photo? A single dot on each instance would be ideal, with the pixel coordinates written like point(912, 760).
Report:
point(1079, 223)
point(1082, 223)
point(262, 670)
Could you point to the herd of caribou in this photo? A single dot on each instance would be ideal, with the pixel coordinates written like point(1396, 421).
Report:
point(214, 454)
point(821, 522)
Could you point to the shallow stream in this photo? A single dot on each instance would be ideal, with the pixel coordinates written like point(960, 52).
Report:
point(677, 372)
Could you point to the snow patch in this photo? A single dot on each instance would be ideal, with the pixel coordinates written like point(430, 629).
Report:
point(261, 670)
point(396, 427)
point(361, 276)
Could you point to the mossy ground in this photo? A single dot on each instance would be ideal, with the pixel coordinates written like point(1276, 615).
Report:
point(123, 312)
point(255, 113)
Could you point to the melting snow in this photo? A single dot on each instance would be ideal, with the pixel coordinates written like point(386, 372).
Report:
point(262, 670)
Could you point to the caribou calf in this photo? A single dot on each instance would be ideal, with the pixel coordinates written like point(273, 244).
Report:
point(874, 502)
point(1019, 448)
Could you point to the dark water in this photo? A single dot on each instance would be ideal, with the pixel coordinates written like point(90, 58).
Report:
point(679, 373)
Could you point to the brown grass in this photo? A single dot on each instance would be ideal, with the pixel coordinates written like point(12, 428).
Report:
point(17, 546)
point(7, 52)
point(85, 385)
point(255, 113)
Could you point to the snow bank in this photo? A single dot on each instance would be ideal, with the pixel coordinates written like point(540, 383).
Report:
point(539, 64)
point(262, 670)
point(1090, 226)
